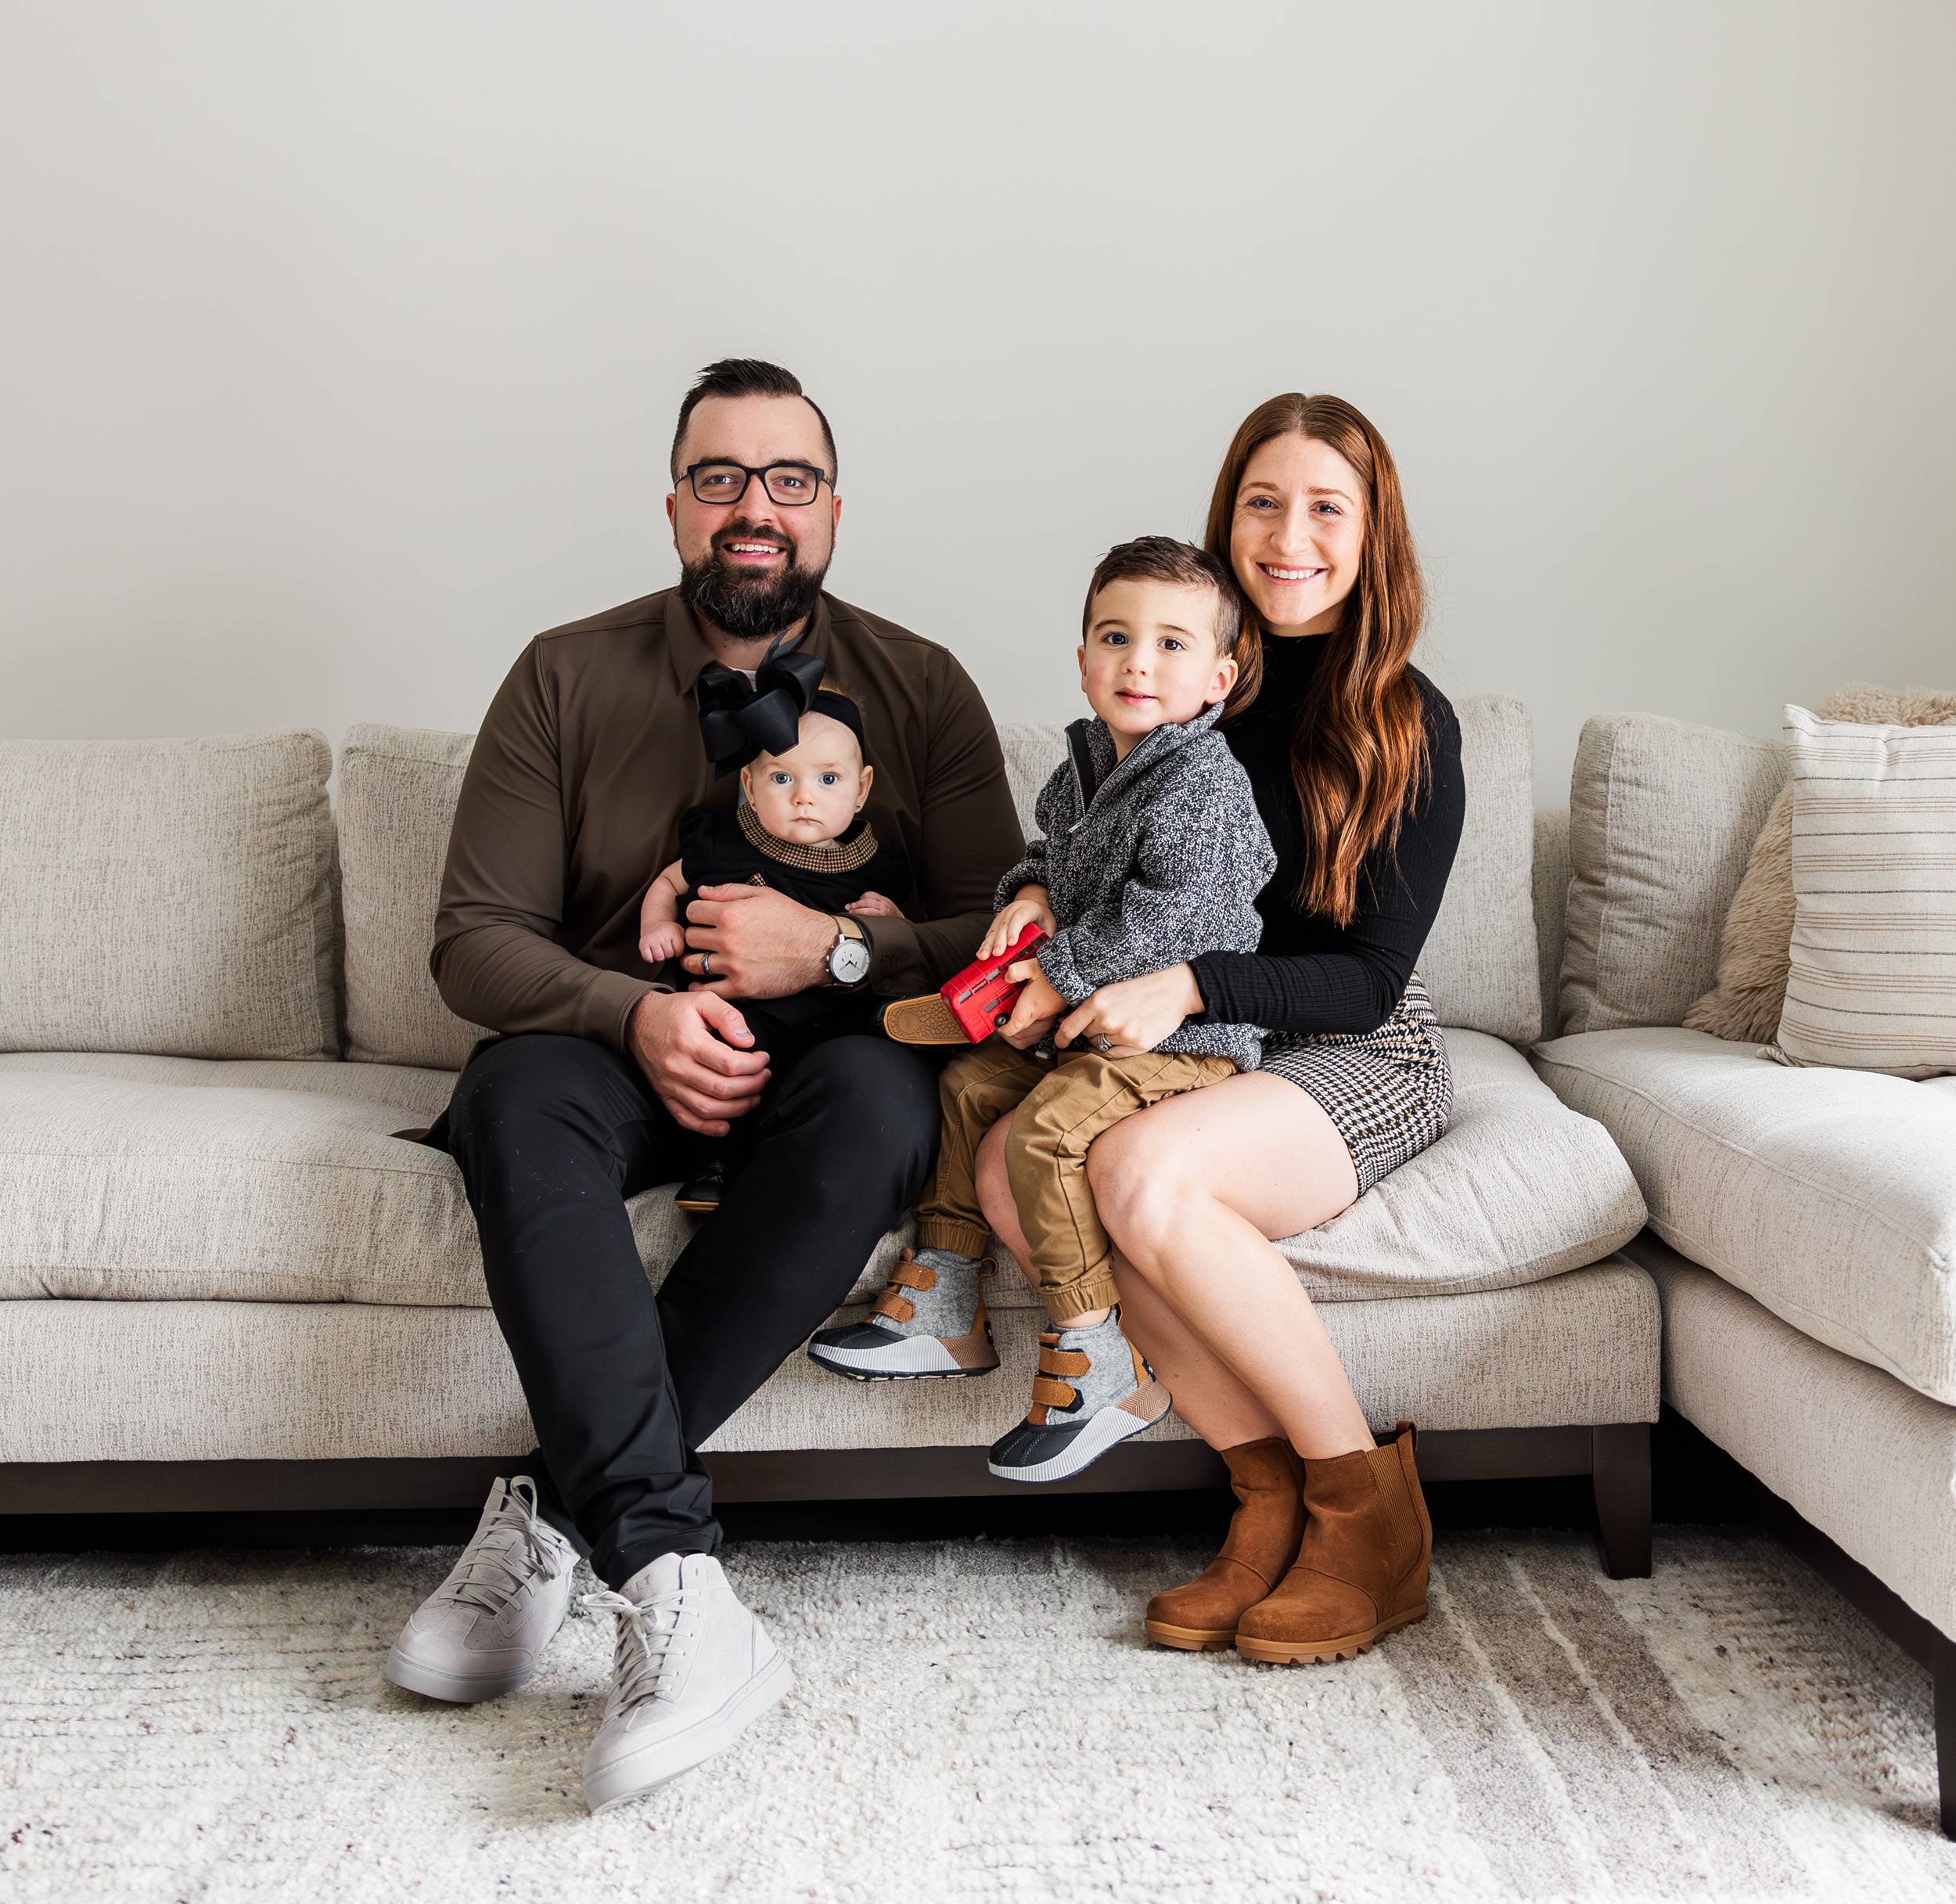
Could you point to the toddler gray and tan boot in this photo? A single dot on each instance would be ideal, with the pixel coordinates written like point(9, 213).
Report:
point(1093, 1391)
point(930, 1320)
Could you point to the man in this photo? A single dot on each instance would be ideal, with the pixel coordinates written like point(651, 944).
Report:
point(605, 1083)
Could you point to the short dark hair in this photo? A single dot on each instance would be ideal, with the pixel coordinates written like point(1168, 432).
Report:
point(1161, 558)
point(748, 376)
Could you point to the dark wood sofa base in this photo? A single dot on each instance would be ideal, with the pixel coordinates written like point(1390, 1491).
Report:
point(1616, 1458)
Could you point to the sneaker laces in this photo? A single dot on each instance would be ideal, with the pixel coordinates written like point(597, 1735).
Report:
point(645, 1632)
point(498, 1563)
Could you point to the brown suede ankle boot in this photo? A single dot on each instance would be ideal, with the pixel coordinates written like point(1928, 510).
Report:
point(1361, 1568)
point(1263, 1532)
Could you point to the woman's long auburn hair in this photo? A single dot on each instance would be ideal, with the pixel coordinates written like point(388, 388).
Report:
point(1358, 755)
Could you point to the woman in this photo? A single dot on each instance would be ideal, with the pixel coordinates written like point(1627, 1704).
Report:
point(1355, 759)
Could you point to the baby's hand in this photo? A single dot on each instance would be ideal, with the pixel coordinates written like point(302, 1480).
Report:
point(874, 905)
point(657, 943)
point(1030, 908)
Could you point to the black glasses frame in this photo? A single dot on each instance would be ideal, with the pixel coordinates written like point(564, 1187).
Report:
point(690, 472)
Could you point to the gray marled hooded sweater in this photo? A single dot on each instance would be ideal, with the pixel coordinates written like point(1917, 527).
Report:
point(1152, 862)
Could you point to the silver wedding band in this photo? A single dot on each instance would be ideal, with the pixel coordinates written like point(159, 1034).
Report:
point(706, 965)
point(1101, 1042)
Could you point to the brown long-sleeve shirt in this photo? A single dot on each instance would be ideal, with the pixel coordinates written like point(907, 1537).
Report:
point(591, 752)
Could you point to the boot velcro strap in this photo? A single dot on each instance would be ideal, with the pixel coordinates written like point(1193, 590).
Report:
point(893, 1303)
point(1063, 1361)
point(1050, 1394)
point(913, 1274)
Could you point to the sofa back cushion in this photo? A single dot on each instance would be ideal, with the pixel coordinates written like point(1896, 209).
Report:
point(1661, 817)
point(398, 786)
point(173, 897)
point(1480, 962)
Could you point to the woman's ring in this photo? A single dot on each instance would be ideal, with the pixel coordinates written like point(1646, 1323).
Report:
point(1101, 1042)
point(706, 965)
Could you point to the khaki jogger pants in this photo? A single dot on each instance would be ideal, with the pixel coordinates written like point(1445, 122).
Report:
point(1062, 1107)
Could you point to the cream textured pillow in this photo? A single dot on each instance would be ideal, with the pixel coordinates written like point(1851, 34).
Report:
point(1745, 1004)
point(174, 897)
point(1873, 980)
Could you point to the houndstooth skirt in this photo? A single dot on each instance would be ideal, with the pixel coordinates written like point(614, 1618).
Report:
point(1389, 1091)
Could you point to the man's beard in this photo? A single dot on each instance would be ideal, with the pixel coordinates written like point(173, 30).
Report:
point(748, 607)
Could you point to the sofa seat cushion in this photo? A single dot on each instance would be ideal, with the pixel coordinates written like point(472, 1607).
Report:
point(1829, 1196)
point(1520, 1189)
point(170, 1179)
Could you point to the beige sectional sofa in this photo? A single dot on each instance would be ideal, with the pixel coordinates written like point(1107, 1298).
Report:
point(224, 1283)
point(1802, 1222)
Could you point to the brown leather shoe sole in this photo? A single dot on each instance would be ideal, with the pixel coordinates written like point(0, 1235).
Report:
point(928, 1021)
point(1191, 1638)
point(698, 1209)
point(1322, 1652)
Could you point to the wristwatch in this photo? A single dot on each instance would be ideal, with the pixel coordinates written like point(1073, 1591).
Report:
point(848, 961)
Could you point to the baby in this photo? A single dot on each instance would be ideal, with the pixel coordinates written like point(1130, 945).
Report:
point(799, 829)
point(1152, 853)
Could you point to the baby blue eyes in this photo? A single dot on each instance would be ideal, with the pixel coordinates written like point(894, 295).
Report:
point(831, 779)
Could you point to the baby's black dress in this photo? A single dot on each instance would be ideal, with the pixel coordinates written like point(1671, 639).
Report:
point(730, 847)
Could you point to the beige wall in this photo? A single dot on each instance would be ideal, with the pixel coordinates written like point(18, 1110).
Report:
point(340, 345)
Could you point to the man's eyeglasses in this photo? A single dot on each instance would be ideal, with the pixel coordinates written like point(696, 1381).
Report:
point(793, 485)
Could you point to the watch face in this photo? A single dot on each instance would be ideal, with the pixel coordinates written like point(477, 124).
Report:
point(849, 962)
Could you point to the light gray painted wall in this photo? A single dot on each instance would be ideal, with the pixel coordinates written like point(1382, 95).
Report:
point(340, 345)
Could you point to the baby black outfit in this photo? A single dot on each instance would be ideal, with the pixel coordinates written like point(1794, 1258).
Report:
point(731, 848)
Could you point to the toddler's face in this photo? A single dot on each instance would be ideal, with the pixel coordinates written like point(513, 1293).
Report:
point(1149, 657)
point(810, 794)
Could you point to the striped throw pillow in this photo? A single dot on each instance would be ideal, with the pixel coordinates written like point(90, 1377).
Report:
point(1873, 984)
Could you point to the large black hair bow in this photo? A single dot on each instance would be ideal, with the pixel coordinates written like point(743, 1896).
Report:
point(739, 718)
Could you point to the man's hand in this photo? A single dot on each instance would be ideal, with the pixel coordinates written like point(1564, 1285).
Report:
point(1037, 1009)
point(755, 943)
point(683, 1042)
point(1135, 1015)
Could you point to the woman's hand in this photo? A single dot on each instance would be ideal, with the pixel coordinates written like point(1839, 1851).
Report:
point(1035, 1010)
point(1031, 905)
point(1135, 1014)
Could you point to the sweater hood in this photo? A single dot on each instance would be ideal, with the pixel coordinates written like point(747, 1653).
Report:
point(1158, 745)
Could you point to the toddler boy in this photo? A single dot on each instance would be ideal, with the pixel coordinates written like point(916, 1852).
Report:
point(1151, 853)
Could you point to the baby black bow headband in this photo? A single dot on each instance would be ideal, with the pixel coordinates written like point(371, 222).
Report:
point(739, 718)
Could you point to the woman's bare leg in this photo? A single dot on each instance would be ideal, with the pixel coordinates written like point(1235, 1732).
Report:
point(1225, 1411)
point(1191, 1190)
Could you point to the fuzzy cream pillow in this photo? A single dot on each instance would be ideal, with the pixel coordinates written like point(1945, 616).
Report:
point(1753, 950)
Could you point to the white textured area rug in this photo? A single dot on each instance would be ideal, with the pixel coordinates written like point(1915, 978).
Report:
point(979, 1719)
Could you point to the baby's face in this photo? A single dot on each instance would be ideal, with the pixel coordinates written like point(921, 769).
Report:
point(810, 794)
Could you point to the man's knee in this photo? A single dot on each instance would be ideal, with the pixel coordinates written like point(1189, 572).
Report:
point(517, 1089)
point(867, 1083)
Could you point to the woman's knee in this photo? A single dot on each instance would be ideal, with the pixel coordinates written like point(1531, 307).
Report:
point(1140, 1186)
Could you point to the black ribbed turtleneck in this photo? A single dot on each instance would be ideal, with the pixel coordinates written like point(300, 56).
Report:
point(1308, 974)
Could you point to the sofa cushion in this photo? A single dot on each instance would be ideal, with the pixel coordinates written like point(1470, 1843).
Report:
point(1662, 815)
point(1480, 961)
point(136, 1178)
point(1518, 1189)
point(172, 896)
point(1828, 1196)
point(227, 1382)
point(398, 786)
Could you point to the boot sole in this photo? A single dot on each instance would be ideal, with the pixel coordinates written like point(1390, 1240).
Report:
point(1192, 1639)
point(928, 1021)
point(698, 1209)
point(909, 1375)
point(1322, 1652)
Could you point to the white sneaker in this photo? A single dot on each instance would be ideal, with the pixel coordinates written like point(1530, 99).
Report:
point(692, 1670)
point(480, 1632)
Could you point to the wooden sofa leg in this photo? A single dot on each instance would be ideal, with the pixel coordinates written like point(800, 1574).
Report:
point(1943, 1670)
point(1619, 1475)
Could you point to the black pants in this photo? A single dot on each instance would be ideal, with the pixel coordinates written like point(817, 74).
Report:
point(552, 1134)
